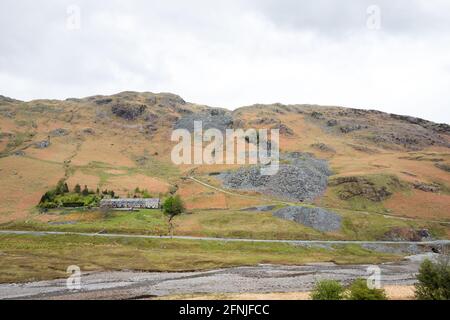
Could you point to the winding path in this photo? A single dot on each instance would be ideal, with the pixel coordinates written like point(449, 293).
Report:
point(296, 204)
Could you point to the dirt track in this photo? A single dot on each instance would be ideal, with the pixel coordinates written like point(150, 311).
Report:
point(258, 279)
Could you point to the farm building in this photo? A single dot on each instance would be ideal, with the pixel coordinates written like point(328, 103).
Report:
point(130, 203)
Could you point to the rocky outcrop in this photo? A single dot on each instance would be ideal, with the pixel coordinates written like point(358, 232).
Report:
point(366, 187)
point(361, 148)
point(128, 111)
point(317, 115)
point(332, 123)
point(432, 187)
point(260, 208)
point(443, 166)
point(349, 128)
point(264, 121)
point(322, 147)
point(407, 234)
point(316, 218)
point(103, 101)
point(42, 144)
point(88, 131)
point(213, 118)
point(438, 127)
point(284, 130)
point(59, 132)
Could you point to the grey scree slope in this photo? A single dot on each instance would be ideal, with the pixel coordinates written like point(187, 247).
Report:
point(300, 177)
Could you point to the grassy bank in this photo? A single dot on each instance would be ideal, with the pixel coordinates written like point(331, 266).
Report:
point(220, 223)
point(32, 258)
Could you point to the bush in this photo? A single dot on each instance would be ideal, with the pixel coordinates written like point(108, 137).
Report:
point(48, 205)
point(173, 206)
point(327, 290)
point(434, 280)
point(360, 291)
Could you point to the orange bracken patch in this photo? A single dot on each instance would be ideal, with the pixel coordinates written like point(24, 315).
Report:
point(420, 204)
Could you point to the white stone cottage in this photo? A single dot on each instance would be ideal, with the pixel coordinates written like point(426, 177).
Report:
point(130, 203)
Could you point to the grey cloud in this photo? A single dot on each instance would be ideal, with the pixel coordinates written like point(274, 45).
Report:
point(232, 53)
point(336, 18)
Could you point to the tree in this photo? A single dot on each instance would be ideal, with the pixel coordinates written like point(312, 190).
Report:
point(61, 187)
point(77, 188)
point(328, 290)
point(434, 280)
point(172, 207)
point(360, 291)
point(85, 191)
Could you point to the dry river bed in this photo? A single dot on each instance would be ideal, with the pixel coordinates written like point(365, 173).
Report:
point(262, 281)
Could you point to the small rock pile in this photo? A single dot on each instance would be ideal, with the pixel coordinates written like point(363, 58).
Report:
point(316, 218)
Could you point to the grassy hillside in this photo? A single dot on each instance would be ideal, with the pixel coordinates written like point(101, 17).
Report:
point(381, 163)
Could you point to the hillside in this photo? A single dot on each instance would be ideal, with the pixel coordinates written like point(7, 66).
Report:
point(376, 163)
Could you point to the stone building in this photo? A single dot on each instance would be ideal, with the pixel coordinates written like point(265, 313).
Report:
point(130, 203)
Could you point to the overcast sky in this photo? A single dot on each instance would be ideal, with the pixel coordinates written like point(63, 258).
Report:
point(233, 53)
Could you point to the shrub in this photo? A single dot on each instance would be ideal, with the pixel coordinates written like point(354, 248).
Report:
point(360, 291)
point(173, 206)
point(48, 205)
point(434, 280)
point(327, 290)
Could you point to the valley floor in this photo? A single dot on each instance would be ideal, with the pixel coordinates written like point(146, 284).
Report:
point(263, 281)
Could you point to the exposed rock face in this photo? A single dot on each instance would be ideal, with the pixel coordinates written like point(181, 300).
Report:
point(364, 187)
point(128, 111)
point(42, 144)
point(284, 129)
point(332, 122)
point(361, 148)
point(317, 115)
point(260, 208)
point(316, 218)
point(170, 100)
point(384, 130)
point(438, 127)
point(8, 113)
point(426, 187)
point(59, 132)
point(443, 166)
point(323, 147)
point(304, 178)
point(214, 118)
point(350, 128)
point(88, 131)
point(4, 99)
point(264, 120)
point(19, 153)
point(407, 234)
point(103, 101)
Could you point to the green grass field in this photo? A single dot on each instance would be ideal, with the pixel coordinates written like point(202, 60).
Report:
point(32, 258)
point(220, 223)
